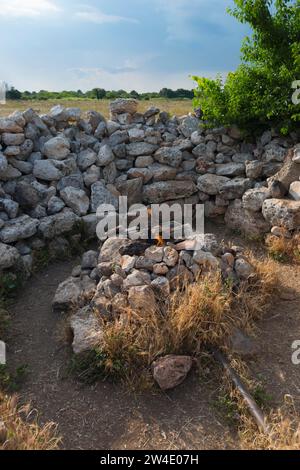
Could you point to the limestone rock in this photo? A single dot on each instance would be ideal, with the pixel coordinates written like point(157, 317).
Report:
point(8, 256)
point(282, 212)
point(169, 156)
point(121, 106)
point(211, 184)
point(171, 371)
point(101, 195)
point(18, 229)
point(168, 190)
point(86, 330)
point(251, 223)
point(142, 298)
point(57, 148)
point(253, 199)
point(76, 199)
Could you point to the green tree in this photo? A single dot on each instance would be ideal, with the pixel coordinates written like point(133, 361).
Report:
point(259, 93)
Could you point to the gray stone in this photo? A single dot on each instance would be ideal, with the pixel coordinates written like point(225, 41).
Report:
point(86, 158)
point(132, 189)
point(143, 161)
point(55, 205)
point(18, 229)
point(10, 173)
point(211, 184)
point(105, 156)
point(89, 260)
point(253, 198)
point(235, 188)
point(13, 139)
point(254, 169)
point(248, 222)
point(142, 298)
point(3, 163)
point(57, 148)
point(169, 156)
point(46, 170)
point(55, 225)
point(10, 207)
point(282, 212)
point(10, 126)
point(76, 199)
point(168, 190)
point(243, 269)
point(122, 105)
point(230, 169)
point(136, 149)
point(87, 331)
point(101, 195)
point(9, 256)
point(92, 175)
point(162, 172)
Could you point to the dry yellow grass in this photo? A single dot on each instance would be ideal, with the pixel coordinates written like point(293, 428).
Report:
point(200, 314)
point(284, 249)
point(178, 107)
point(19, 429)
point(283, 431)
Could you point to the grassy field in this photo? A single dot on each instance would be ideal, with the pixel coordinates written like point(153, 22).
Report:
point(178, 107)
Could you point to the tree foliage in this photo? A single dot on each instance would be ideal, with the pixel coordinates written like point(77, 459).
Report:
point(259, 93)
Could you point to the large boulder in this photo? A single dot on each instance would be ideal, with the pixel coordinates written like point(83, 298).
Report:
point(282, 212)
point(168, 190)
point(171, 371)
point(19, 229)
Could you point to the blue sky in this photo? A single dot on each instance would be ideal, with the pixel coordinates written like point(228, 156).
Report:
point(130, 44)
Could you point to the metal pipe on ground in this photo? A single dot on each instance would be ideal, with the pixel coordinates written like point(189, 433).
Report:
point(254, 409)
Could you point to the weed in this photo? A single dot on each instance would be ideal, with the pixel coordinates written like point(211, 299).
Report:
point(9, 284)
point(21, 431)
point(227, 408)
point(284, 250)
point(12, 382)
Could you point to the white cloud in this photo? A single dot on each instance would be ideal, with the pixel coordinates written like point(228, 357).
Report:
point(93, 15)
point(27, 8)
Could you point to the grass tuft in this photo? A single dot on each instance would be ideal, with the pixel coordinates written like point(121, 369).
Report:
point(21, 431)
point(284, 250)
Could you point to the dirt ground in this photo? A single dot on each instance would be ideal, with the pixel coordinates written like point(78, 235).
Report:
point(107, 416)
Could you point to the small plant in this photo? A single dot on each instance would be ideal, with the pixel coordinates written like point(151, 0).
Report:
point(227, 408)
point(9, 284)
point(284, 250)
point(12, 382)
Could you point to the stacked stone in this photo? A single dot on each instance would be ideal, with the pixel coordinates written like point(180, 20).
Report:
point(56, 169)
point(109, 282)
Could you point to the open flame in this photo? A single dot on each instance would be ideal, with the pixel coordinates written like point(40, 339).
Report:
point(159, 240)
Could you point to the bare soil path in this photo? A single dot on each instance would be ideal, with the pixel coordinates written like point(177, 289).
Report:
point(107, 416)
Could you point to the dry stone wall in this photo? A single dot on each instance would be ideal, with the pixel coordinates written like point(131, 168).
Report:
point(56, 169)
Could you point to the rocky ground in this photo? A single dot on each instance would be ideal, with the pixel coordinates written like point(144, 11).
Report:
point(107, 416)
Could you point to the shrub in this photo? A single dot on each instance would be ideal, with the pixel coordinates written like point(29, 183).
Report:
point(259, 93)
